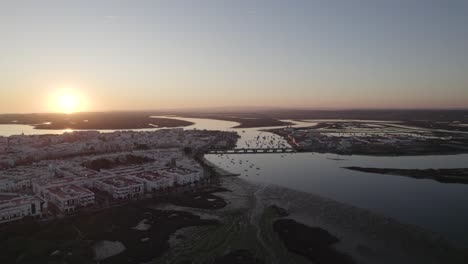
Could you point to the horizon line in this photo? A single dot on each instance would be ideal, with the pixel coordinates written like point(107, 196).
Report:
point(221, 109)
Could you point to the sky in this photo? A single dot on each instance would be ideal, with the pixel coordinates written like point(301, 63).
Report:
point(143, 55)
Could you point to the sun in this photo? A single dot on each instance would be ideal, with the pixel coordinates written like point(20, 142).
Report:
point(67, 102)
point(66, 99)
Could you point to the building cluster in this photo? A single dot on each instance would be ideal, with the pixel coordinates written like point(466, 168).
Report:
point(15, 206)
point(68, 185)
point(95, 167)
point(27, 149)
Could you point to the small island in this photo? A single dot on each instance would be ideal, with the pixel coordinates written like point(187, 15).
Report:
point(459, 175)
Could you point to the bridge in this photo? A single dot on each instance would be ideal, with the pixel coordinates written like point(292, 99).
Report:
point(251, 151)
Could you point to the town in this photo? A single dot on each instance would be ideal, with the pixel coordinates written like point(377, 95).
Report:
point(49, 176)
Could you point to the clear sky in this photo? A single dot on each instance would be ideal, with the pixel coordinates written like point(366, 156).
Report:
point(138, 54)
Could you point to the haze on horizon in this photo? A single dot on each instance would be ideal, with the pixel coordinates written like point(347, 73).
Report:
point(139, 55)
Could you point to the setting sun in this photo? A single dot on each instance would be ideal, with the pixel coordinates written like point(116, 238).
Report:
point(67, 102)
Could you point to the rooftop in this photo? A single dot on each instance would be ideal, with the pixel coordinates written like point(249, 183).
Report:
point(150, 176)
point(179, 170)
point(15, 201)
point(120, 182)
point(69, 191)
point(8, 196)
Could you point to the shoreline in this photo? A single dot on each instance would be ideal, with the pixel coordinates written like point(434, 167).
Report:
point(219, 172)
point(364, 236)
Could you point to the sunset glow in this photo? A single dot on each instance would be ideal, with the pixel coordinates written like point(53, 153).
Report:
point(300, 131)
point(67, 102)
point(320, 54)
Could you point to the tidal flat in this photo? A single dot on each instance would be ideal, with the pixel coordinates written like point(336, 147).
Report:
point(248, 219)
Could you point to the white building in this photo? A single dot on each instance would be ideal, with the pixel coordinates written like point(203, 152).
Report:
point(154, 181)
point(183, 176)
point(7, 184)
point(68, 197)
point(86, 181)
point(121, 187)
point(41, 185)
point(15, 207)
point(15, 185)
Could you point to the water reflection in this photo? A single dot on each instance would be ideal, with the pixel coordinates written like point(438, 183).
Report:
point(250, 137)
point(10, 130)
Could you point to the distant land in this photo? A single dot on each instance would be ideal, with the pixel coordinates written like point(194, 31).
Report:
point(435, 119)
point(459, 175)
point(109, 120)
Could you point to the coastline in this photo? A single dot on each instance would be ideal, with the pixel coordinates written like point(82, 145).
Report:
point(219, 172)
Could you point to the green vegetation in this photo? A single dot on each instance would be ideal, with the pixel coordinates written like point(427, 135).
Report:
point(71, 240)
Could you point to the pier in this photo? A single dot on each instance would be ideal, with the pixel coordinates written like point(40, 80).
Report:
point(251, 151)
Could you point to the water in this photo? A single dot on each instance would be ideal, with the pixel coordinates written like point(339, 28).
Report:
point(248, 135)
point(9, 130)
point(426, 203)
point(442, 208)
